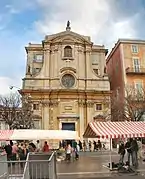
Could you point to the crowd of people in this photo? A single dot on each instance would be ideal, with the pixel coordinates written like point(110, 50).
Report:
point(133, 147)
point(19, 151)
point(72, 148)
point(85, 145)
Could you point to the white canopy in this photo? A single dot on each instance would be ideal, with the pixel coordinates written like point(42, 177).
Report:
point(28, 134)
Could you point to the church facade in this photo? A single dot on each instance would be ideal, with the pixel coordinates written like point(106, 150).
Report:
point(67, 81)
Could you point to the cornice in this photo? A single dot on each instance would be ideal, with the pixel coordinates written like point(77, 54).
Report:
point(50, 103)
point(84, 79)
point(65, 91)
point(33, 49)
point(100, 50)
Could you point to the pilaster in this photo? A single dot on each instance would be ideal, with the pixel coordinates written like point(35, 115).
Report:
point(88, 63)
point(47, 60)
point(45, 115)
point(81, 104)
point(53, 115)
point(90, 105)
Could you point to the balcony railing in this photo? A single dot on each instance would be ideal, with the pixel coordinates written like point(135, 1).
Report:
point(135, 70)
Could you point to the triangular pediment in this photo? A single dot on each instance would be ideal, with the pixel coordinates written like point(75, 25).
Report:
point(68, 37)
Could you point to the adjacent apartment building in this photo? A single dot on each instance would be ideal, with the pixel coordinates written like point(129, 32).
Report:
point(126, 66)
point(67, 82)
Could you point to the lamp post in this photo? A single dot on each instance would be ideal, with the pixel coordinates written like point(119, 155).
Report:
point(11, 87)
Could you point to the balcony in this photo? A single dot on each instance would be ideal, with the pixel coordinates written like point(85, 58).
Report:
point(136, 71)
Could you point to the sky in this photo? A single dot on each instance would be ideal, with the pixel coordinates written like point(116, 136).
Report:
point(27, 21)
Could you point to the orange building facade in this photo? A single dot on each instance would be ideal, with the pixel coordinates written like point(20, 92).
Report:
point(126, 66)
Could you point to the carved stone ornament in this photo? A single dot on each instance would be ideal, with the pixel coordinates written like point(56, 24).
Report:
point(45, 103)
point(47, 50)
point(90, 104)
point(81, 102)
point(50, 103)
point(54, 103)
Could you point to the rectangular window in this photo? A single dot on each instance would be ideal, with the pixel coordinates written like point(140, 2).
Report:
point(35, 106)
point(98, 107)
point(38, 57)
point(36, 124)
point(136, 65)
point(134, 48)
point(139, 86)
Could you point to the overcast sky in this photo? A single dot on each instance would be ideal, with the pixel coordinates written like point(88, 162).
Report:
point(24, 21)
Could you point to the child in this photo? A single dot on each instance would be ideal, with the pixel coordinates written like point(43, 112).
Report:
point(68, 152)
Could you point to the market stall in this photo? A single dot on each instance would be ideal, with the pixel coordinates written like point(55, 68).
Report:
point(114, 130)
point(32, 134)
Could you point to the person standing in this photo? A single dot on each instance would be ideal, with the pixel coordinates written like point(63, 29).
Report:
point(23, 152)
point(68, 152)
point(121, 152)
point(128, 148)
point(95, 145)
point(139, 153)
point(38, 148)
point(8, 149)
point(80, 145)
point(99, 145)
point(45, 147)
point(84, 145)
point(90, 146)
point(134, 150)
point(14, 152)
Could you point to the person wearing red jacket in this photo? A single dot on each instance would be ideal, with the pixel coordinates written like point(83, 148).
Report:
point(45, 147)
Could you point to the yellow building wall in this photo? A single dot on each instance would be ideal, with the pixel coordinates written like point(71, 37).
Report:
point(129, 55)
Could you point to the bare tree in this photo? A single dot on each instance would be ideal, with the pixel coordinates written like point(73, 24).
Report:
point(106, 107)
point(16, 112)
point(25, 117)
point(131, 107)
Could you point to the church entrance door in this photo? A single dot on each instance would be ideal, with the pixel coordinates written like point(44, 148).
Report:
point(70, 126)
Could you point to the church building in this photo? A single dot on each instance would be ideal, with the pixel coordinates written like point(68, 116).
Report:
point(66, 78)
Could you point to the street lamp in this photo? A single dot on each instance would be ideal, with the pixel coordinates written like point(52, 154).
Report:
point(11, 87)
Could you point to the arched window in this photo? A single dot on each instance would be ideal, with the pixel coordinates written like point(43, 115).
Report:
point(67, 51)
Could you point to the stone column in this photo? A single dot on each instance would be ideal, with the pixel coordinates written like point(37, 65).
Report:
point(82, 118)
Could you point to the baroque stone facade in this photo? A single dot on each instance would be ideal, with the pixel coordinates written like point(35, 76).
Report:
point(65, 76)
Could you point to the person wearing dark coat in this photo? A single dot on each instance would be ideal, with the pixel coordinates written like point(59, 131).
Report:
point(134, 150)
point(128, 148)
point(121, 152)
point(8, 149)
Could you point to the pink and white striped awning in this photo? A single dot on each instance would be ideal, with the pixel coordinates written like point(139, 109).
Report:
point(115, 130)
